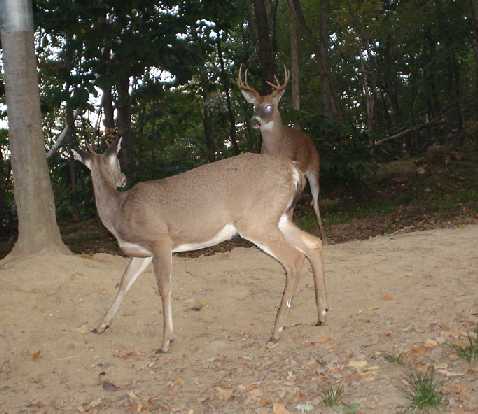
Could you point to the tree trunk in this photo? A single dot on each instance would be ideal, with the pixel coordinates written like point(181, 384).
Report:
point(107, 104)
point(328, 100)
point(3, 190)
point(390, 83)
point(294, 57)
point(264, 43)
point(327, 92)
point(124, 127)
point(37, 227)
point(227, 91)
point(474, 26)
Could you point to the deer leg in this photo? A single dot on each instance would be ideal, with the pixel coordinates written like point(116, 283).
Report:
point(311, 246)
point(313, 179)
point(136, 266)
point(162, 265)
point(273, 243)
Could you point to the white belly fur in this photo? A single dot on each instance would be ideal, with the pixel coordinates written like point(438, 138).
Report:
point(225, 233)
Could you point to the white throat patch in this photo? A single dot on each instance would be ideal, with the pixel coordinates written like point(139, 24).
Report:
point(267, 126)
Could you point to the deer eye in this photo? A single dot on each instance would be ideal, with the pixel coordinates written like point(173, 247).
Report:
point(268, 108)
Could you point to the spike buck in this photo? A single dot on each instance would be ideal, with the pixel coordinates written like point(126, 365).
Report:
point(250, 195)
point(279, 140)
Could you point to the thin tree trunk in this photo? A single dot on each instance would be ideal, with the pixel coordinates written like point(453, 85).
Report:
point(124, 127)
point(328, 98)
point(107, 104)
point(227, 91)
point(295, 56)
point(474, 25)
point(390, 83)
point(264, 42)
point(37, 227)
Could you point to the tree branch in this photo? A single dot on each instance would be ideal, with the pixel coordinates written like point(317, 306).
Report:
point(61, 138)
point(409, 130)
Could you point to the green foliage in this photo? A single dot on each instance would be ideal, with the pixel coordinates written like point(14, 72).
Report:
point(346, 157)
point(181, 58)
point(469, 351)
point(423, 391)
point(332, 396)
point(394, 358)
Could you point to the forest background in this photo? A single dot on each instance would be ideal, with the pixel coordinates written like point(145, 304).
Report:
point(373, 82)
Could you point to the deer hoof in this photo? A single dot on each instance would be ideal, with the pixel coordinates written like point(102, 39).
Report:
point(100, 329)
point(322, 317)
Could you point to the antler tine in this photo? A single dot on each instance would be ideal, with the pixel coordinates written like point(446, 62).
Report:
point(277, 85)
point(244, 84)
point(286, 75)
point(90, 148)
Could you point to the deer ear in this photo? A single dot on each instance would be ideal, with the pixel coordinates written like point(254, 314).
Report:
point(118, 144)
point(114, 147)
point(250, 96)
point(83, 157)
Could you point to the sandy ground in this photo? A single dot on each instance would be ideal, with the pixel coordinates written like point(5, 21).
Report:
point(409, 295)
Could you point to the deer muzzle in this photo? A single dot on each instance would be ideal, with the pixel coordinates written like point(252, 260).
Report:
point(256, 122)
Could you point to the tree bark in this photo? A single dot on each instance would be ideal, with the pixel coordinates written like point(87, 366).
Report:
point(124, 127)
point(474, 25)
point(227, 91)
point(294, 56)
point(264, 43)
point(328, 99)
point(37, 227)
point(107, 104)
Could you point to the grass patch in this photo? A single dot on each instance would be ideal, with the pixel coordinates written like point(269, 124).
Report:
point(423, 391)
point(394, 358)
point(469, 351)
point(332, 397)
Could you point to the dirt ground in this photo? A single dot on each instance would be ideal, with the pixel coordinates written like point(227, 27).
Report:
point(411, 295)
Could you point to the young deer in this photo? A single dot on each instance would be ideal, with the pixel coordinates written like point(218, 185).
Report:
point(280, 140)
point(251, 195)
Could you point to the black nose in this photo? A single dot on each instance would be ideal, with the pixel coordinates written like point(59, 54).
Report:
point(255, 122)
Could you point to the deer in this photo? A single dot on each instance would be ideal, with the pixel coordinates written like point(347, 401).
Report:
point(250, 195)
point(280, 140)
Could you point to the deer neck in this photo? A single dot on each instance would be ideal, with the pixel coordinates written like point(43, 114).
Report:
point(108, 201)
point(273, 136)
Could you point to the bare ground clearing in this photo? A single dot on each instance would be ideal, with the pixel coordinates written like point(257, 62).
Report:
point(411, 294)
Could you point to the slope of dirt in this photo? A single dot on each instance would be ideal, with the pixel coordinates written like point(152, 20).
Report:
point(409, 294)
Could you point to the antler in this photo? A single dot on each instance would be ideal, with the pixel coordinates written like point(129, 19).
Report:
point(277, 86)
point(244, 85)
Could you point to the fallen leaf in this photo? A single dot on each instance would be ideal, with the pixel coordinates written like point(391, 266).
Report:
point(195, 304)
point(278, 408)
point(83, 329)
point(109, 386)
point(461, 391)
point(136, 402)
point(126, 354)
point(265, 402)
point(224, 394)
point(255, 393)
point(84, 408)
point(430, 343)
point(36, 355)
point(359, 364)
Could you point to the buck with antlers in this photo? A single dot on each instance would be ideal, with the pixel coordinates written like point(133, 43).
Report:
point(280, 140)
point(250, 195)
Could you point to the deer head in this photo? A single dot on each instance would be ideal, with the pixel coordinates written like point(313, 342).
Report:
point(266, 107)
point(106, 165)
